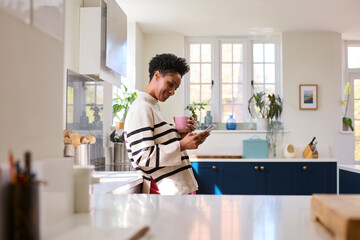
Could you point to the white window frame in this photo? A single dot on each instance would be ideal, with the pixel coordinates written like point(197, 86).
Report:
point(216, 110)
point(350, 75)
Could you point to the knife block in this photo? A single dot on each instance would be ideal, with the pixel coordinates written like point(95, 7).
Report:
point(308, 153)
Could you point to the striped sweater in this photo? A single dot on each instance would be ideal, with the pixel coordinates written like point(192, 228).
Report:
point(153, 147)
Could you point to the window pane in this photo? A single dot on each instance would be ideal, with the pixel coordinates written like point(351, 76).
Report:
point(226, 73)
point(238, 93)
point(90, 94)
point(99, 94)
point(258, 73)
point(238, 53)
point(357, 88)
point(70, 114)
point(226, 53)
point(269, 52)
point(90, 114)
point(238, 113)
point(270, 88)
point(258, 88)
point(206, 52)
point(194, 93)
point(194, 73)
point(238, 73)
point(357, 150)
point(258, 53)
point(194, 52)
point(269, 73)
point(206, 93)
point(357, 109)
point(226, 112)
point(227, 93)
point(70, 96)
point(357, 129)
point(206, 73)
point(353, 57)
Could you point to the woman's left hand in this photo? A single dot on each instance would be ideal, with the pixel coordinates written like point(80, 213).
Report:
point(191, 126)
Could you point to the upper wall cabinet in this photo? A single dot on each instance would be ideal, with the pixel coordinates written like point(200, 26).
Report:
point(103, 41)
point(90, 40)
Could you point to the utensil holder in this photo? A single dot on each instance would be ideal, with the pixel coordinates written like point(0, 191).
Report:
point(308, 153)
point(82, 155)
point(22, 211)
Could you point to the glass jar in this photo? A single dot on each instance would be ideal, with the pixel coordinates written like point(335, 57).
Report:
point(207, 120)
point(231, 123)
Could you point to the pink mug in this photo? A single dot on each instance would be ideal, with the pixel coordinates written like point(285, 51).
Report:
point(181, 124)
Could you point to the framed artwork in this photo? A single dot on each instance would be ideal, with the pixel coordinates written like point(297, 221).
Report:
point(308, 96)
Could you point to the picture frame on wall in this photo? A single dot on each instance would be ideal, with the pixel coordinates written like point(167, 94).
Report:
point(308, 96)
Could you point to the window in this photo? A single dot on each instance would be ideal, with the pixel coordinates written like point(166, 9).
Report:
point(224, 73)
point(353, 76)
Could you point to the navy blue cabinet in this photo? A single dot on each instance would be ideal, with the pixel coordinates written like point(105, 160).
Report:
point(317, 178)
point(206, 176)
point(265, 178)
point(349, 182)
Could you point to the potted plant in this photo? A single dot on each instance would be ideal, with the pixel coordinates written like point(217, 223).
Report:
point(192, 108)
point(262, 109)
point(347, 122)
point(121, 104)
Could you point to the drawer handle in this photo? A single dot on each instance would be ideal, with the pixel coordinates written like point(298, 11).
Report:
point(262, 168)
point(304, 168)
point(214, 167)
point(256, 168)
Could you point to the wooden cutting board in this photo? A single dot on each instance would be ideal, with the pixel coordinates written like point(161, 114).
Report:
point(216, 156)
point(340, 214)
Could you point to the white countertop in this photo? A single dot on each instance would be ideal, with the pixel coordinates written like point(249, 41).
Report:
point(115, 181)
point(262, 160)
point(193, 217)
point(352, 168)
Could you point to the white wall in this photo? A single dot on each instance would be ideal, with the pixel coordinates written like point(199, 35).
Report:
point(315, 58)
point(165, 43)
point(31, 92)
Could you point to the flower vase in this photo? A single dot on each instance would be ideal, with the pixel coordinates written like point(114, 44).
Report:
point(345, 128)
point(231, 123)
point(262, 124)
point(207, 120)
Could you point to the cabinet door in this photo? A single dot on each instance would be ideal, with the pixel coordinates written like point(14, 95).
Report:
point(349, 182)
point(206, 177)
point(240, 178)
point(279, 178)
point(317, 178)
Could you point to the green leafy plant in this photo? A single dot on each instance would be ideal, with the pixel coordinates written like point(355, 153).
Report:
point(275, 106)
point(347, 121)
point(267, 105)
point(194, 107)
point(121, 104)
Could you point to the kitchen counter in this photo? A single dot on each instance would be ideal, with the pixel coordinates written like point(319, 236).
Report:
point(192, 159)
point(193, 217)
point(352, 168)
point(117, 182)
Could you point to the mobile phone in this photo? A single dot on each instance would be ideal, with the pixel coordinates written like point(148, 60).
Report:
point(211, 127)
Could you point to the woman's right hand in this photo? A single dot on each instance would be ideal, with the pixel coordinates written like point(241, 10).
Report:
point(193, 140)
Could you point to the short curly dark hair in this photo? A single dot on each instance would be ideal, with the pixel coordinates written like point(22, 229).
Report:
point(168, 63)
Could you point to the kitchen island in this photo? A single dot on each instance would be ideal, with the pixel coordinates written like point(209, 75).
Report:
point(193, 217)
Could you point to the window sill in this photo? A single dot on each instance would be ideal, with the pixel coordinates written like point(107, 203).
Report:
point(347, 132)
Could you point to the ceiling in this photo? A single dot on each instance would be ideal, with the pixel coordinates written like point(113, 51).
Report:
point(244, 17)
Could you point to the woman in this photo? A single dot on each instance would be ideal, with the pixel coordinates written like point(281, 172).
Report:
point(155, 148)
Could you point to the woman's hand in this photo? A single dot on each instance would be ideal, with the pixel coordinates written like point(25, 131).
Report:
point(193, 140)
point(191, 126)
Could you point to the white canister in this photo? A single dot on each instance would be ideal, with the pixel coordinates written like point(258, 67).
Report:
point(83, 194)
